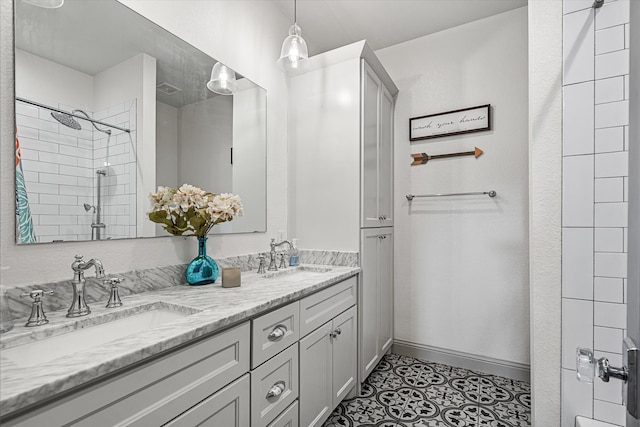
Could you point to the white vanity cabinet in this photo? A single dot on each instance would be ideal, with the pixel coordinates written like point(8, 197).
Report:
point(265, 372)
point(328, 354)
point(376, 297)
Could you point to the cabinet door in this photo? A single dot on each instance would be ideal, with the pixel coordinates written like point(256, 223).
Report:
point(316, 367)
point(229, 407)
point(274, 386)
point(385, 286)
point(344, 354)
point(371, 87)
point(369, 303)
point(385, 159)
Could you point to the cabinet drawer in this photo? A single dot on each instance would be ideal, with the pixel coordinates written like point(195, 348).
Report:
point(155, 392)
point(229, 408)
point(274, 386)
point(323, 306)
point(274, 332)
point(289, 418)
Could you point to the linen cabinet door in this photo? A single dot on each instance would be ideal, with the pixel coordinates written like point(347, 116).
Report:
point(385, 160)
point(371, 87)
point(344, 340)
point(316, 367)
point(385, 286)
point(369, 305)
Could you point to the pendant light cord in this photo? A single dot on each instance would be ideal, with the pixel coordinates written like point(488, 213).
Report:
point(295, 16)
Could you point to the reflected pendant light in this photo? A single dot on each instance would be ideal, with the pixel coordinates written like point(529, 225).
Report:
point(294, 56)
point(223, 80)
point(47, 4)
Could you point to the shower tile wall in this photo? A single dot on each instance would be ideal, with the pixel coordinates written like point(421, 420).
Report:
point(59, 166)
point(119, 185)
point(595, 195)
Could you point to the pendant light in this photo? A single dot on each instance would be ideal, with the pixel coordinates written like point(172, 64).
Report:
point(294, 55)
point(223, 80)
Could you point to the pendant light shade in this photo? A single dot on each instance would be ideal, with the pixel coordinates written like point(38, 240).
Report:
point(294, 55)
point(223, 80)
point(47, 4)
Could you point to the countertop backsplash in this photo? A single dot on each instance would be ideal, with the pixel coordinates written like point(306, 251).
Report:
point(151, 279)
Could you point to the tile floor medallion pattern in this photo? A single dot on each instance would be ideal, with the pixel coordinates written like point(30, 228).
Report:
point(406, 392)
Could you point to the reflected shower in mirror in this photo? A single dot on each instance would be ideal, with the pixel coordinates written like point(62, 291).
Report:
point(109, 106)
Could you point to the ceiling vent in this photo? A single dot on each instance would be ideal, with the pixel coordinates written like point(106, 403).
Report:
point(167, 88)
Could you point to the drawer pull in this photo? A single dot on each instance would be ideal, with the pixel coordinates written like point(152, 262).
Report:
point(276, 390)
point(277, 333)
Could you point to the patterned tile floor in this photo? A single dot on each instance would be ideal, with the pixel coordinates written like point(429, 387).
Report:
point(403, 392)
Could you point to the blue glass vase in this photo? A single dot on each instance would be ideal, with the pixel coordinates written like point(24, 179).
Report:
point(203, 269)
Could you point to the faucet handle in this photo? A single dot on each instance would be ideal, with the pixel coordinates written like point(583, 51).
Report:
point(37, 316)
point(114, 297)
point(283, 263)
point(75, 265)
point(36, 294)
point(261, 264)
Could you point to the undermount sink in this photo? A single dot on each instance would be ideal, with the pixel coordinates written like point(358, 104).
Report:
point(91, 332)
point(301, 269)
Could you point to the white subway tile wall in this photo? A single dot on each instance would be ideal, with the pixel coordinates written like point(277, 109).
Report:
point(594, 220)
point(60, 165)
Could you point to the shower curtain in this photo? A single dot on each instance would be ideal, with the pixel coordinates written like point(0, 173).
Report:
point(24, 223)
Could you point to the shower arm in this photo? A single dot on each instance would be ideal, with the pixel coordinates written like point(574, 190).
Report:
point(57, 110)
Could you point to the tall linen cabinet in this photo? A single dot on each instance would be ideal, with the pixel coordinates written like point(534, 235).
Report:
point(341, 178)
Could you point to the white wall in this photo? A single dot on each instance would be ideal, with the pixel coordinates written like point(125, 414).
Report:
point(259, 28)
point(248, 151)
point(595, 198)
point(461, 264)
point(45, 81)
point(324, 157)
point(545, 166)
point(205, 128)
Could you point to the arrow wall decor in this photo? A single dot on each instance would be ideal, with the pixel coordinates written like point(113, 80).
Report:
point(422, 158)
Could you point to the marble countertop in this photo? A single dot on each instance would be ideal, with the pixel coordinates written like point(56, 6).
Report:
point(209, 309)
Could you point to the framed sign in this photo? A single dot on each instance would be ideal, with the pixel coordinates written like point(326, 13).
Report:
point(474, 119)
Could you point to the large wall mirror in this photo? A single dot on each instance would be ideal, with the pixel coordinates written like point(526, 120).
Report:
point(109, 106)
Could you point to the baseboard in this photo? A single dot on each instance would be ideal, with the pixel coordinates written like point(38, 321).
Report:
point(483, 364)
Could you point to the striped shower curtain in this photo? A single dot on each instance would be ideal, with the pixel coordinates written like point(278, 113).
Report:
point(24, 223)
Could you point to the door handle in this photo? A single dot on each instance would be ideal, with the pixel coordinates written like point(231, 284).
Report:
point(587, 367)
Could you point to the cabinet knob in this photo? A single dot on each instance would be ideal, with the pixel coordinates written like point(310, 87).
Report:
point(334, 334)
point(276, 390)
point(277, 333)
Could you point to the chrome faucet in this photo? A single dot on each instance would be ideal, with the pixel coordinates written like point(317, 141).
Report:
point(79, 306)
point(272, 253)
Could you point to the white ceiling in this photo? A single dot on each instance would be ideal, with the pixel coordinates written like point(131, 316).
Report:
point(84, 37)
point(327, 24)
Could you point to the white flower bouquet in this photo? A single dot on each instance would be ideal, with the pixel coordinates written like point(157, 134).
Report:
point(191, 211)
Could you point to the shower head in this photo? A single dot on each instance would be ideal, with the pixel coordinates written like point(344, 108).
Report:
point(72, 123)
point(66, 120)
point(88, 207)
